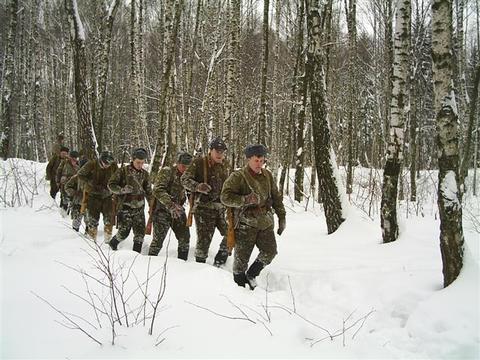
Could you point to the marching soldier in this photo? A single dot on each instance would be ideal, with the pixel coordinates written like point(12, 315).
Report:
point(74, 190)
point(253, 193)
point(67, 168)
point(205, 178)
point(95, 175)
point(132, 185)
point(52, 167)
point(169, 212)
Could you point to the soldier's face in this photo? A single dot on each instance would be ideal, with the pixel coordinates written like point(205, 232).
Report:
point(181, 168)
point(217, 155)
point(138, 164)
point(63, 154)
point(256, 163)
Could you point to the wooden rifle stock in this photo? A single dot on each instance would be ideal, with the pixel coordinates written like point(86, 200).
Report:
point(151, 208)
point(230, 231)
point(190, 212)
point(83, 204)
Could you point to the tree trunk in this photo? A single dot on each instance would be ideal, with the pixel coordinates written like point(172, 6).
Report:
point(449, 198)
point(324, 156)
point(169, 57)
point(399, 104)
point(88, 140)
point(351, 14)
point(262, 121)
point(467, 154)
point(300, 123)
point(9, 82)
point(107, 27)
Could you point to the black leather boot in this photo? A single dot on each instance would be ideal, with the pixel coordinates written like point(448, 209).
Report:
point(240, 279)
point(220, 258)
point(252, 272)
point(254, 269)
point(183, 254)
point(200, 260)
point(137, 246)
point(113, 243)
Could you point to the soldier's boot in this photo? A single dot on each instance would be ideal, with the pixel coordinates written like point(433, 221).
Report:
point(240, 279)
point(107, 233)
point(200, 260)
point(252, 272)
point(114, 243)
point(183, 254)
point(220, 258)
point(92, 233)
point(137, 246)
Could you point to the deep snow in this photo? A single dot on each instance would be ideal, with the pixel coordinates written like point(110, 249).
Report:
point(387, 297)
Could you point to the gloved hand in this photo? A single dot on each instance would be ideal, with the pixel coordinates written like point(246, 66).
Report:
point(127, 189)
point(203, 188)
point(251, 199)
point(282, 224)
point(176, 210)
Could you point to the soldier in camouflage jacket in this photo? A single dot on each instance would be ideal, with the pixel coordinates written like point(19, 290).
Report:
point(205, 177)
point(95, 175)
point(132, 186)
point(169, 211)
point(253, 194)
point(67, 168)
point(74, 190)
point(52, 167)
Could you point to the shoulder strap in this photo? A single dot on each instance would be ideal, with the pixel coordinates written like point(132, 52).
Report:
point(205, 169)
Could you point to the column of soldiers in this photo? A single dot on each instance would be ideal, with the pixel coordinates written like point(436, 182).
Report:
point(250, 193)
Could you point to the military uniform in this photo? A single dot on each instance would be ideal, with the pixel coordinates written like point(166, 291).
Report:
point(131, 205)
point(75, 192)
point(51, 171)
point(169, 194)
point(253, 223)
point(208, 211)
point(67, 168)
point(95, 179)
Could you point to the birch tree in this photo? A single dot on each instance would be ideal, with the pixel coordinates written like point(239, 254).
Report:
point(7, 91)
point(449, 198)
point(87, 141)
point(324, 156)
point(399, 105)
point(262, 121)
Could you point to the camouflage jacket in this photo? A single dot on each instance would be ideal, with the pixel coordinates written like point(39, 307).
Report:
point(52, 167)
point(73, 189)
point(139, 180)
point(216, 174)
point(95, 178)
point(65, 171)
point(242, 182)
point(168, 188)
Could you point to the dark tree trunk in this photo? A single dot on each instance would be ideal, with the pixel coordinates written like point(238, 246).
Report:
point(324, 162)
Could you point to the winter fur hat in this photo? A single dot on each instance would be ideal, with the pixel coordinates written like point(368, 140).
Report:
point(184, 158)
point(258, 150)
point(73, 154)
point(106, 158)
point(139, 153)
point(217, 144)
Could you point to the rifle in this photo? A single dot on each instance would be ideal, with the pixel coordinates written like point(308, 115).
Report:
point(113, 219)
point(230, 231)
point(191, 199)
point(83, 204)
point(151, 208)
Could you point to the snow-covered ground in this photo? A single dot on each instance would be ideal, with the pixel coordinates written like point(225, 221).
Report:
point(344, 295)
